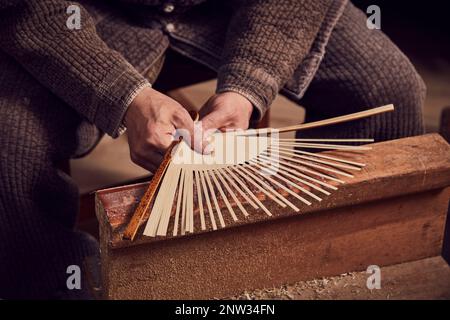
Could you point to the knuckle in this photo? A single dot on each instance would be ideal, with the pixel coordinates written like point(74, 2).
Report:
point(157, 142)
point(151, 141)
point(180, 114)
point(229, 112)
point(153, 135)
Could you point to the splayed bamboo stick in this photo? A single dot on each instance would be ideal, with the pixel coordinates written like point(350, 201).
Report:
point(246, 167)
point(327, 122)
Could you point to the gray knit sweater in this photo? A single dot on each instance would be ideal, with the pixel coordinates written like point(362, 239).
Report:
point(99, 69)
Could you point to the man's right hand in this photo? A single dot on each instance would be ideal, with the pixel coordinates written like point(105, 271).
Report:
point(151, 120)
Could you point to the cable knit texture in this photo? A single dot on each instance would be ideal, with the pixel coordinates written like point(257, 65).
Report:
point(76, 65)
point(38, 203)
point(59, 87)
point(363, 69)
point(258, 59)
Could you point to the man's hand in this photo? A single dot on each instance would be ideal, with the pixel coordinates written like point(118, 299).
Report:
point(151, 120)
point(228, 110)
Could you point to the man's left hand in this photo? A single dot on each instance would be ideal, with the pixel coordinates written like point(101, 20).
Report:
point(226, 111)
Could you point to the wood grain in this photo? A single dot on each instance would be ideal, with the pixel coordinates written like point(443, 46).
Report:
point(392, 212)
point(398, 167)
point(141, 213)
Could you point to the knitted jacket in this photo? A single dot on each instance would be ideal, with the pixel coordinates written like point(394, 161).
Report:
point(256, 46)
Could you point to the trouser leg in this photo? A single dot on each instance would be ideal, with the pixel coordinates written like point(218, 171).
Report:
point(38, 202)
point(363, 69)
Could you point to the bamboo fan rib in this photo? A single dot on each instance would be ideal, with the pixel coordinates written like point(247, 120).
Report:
point(207, 192)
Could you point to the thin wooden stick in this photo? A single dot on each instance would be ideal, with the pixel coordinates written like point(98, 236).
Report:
point(230, 191)
point(278, 175)
point(267, 189)
point(318, 155)
point(208, 201)
point(140, 213)
point(177, 210)
point(213, 196)
point(200, 200)
point(279, 185)
point(294, 155)
point(323, 146)
point(325, 140)
point(246, 196)
point(258, 185)
point(184, 204)
point(286, 172)
point(168, 201)
point(294, 170)
point(309, 164)
point(232, 175)
point(340, 119)
point(304, 169)
point(190, 203)
point(224, 197)
point(156, 219)
point(266, 185)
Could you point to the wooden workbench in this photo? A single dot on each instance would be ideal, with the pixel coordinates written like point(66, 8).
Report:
point(392, 212)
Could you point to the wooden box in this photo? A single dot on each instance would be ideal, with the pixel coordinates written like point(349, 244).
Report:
point(392, 212)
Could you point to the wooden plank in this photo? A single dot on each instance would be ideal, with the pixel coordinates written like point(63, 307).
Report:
point(226, 262)
point(141, 212)
point(348, 232)
point(425, 279)
point(395, 168)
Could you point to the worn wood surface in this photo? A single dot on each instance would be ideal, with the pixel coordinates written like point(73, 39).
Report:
point(425, 279)
point(393, 211)
point(395, 168)
point(141, 213)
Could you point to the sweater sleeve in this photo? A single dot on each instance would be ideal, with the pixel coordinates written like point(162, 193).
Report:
point(74, 63)
point(266, 41)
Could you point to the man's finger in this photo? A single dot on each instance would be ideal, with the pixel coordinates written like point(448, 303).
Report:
point(213, 121)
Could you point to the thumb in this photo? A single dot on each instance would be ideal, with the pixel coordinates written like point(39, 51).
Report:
point(184, 127)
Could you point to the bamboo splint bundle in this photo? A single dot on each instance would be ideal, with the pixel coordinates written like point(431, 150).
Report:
point(243, 165)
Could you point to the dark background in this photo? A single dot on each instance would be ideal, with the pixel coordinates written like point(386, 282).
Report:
point(420, 28)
